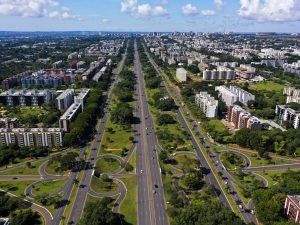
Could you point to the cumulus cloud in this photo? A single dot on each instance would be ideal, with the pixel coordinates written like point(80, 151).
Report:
point(35, 8)
point(219, 3)
point(270, 10)
point(189, 10)
point(208, 12)
point(142, 10)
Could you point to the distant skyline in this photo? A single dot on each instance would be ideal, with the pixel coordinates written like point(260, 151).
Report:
point(151, 15)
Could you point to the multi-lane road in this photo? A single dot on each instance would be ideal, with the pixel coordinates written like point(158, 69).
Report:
point(151, 201)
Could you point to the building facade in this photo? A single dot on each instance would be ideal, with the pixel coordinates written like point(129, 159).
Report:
point(47, 137)
point(65, 99)
point(222, 73)
point(240, 118)
point(26, 97)
point(286, 114)
point(208, 104)
point(292, 207)
point(293, 95)
point(181, 74)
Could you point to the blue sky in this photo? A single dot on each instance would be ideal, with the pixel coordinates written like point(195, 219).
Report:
point(151, 15)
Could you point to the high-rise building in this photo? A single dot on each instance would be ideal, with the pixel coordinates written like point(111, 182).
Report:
point(181, 74)
point(292, 207)
point(293, 95)
point(81, 97)
point(287, 114)
point(208, 104)
point(65, 99)
point(222, 73)
point(240, 118)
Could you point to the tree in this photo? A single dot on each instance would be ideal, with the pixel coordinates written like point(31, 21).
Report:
point(165, 118)
point(25, 217)
point(122, 114)
point(129, 167)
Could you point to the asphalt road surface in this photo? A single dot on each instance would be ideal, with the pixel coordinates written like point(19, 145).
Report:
point(151, 201)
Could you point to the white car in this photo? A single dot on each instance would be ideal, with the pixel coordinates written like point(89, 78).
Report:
point(142, 171)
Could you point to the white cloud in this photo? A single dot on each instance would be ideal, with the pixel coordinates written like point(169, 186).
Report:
point(208, 12)
point(104, 20)
point(270, 10)
point(34, 8)
point(142, 10)
point(189, 10)
point(163, 1)
point(219, 3)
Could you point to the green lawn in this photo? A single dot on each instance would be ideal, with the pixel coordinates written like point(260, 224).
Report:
point(49, 187)
point(217, 125)
point(232, 161)
point(267, 86)
point(51, 169)
point(187, 161)
point(102, 187)
point(15, 186)
point(257, 161)
point(273, 176)
point(107, 165)
point(25, 170)
point(128, 207)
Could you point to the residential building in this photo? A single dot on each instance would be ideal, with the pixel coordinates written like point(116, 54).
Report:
point(245, 72)
point(233, 94)
point(71, 113)
point(292, 207)
point(26, 97)
point(181, 74)
point(222, 73)
point(292, 68)
point(240, 118)
point(65, 99)
point(4, 221)
point(9, 123)
point(207, 103)
point(287, 114)
point(293, 95)
point(47, 137)
point(81, 97)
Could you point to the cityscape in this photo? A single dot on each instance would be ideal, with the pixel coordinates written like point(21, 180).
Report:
point(149, 112)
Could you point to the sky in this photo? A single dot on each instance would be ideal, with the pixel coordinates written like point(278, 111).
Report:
point(151, 15)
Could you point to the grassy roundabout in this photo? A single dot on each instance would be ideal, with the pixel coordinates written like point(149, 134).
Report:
point(103, 186)
point(49, 187)
point(107, 165)
point(16, 187)
point(232, 161)
point(32, 169)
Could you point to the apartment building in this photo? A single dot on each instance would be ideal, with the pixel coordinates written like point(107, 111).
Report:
point(65, 99)
point(207, 103)
point(245, 72)
point(240, 118)
point(233, 94)
point(9, 123)
point(26, 97)
point(286, 114)
point(222, 73)
point(47, 137)
point(181, 74)
point(293, 95)
point(292, 207)
point(71, 113)
point(81, 97)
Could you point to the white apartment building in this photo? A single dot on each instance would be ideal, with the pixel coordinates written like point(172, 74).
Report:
point(245, 72)
point(81, 97)
point(233, 94)
point(222, 73)
point(292, 68)
point(65, 99)
point(293, 95)
point(47, 137)
point(181, 74)
point(287, 114)
point(207, 103)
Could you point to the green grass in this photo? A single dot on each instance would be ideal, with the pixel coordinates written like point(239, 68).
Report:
point(257, 161)
point(102, 187)
point(51, 169)
point(187, 161)
point(15, 187)
point(107, 165)
point(128, 207)
point(25, 170)
point(236, 163)
point(217, 125)
point(49, 187)
point(267, 86)
point(273, 176)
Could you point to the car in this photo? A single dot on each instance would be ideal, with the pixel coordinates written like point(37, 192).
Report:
point(142, 171)
point(92, 158)
point(154, 191)
point(93, 149)
point(14, 178)
point(155, 185)
point(240, 206)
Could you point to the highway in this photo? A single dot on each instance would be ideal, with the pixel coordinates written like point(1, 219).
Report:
point(210, 176)
point(84, 186)
point(151, 201)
